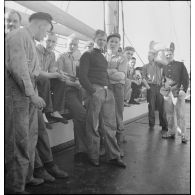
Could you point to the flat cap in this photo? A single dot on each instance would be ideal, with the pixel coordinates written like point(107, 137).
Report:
point(42, 16)
point(128, 48)
point(113, 35)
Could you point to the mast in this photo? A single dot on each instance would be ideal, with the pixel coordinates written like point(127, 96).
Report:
point(112, 16)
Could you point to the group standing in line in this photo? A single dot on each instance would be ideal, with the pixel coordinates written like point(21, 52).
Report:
point(93, 86)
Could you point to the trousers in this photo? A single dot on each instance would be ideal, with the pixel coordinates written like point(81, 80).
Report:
point(154, 99)
point(118, 92)
point(43, 85)
point(43, 153)
point(78, 112)
point(21, 132)
point(101, 117)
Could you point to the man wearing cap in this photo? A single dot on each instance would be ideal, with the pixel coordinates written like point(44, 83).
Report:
point(117, 71)
point(13, 19)
point(45, 167)
point(22, 102)
point(93, 76)
point(176, 81)
point(152, 72)
point(49, 73)
point(128, 53)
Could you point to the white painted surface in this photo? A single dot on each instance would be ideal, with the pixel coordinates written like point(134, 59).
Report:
point(62, 133)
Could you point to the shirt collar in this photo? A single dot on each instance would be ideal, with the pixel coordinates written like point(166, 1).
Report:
point(97, 50)
point(30, 33)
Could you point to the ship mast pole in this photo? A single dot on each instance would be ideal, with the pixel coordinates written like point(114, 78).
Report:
point(112, 16)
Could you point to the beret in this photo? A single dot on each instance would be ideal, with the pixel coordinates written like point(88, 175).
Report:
point(113, 35)
point(42, 16)
point(128, 48)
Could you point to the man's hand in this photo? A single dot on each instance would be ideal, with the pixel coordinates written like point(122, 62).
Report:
point(63, 77)
point(182, 93)
point(37, 101)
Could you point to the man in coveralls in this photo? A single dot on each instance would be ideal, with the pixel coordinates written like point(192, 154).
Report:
point(22, 101)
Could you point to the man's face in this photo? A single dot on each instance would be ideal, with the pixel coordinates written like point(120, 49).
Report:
point(151, 56)
point(132, 62)
point(100, 41)
point(114, 43)
point(43, 28)
point(169, 55)
point(129, 54)
point(13, 21)
point(72, 45)
point(51, 42)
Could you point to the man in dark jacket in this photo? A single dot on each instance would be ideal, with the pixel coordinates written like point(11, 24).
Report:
point(176, 81)
point(93, 77)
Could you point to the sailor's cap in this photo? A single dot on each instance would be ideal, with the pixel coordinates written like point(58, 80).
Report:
point(114, 35)
point(42, 16)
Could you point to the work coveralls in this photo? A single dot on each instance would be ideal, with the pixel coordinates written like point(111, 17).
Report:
point(22, 67)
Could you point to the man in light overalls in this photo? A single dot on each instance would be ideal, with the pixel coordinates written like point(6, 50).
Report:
point(22, 102)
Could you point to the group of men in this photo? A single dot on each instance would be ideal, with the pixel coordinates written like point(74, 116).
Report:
point(93, 86)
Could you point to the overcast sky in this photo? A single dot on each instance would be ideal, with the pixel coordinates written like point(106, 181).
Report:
point(163, 21)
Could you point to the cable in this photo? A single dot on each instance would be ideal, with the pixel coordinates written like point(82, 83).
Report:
point(67, 6)
point(135, 50)
point(123, 24)
point(174, 30)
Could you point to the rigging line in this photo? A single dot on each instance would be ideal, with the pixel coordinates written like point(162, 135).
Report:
point(174, 30)
point(67, 6)
point(104, 17)
point(135, 50)
point(123, 24)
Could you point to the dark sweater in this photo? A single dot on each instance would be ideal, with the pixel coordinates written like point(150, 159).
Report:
point(178, 73)
point(93, 70)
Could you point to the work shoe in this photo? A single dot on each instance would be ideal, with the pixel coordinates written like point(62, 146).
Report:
point(122, 154)
point(13, 192)
point(184, 140)
point(48, 126)
point(80, 158)
point(95, 162)
point(133, 102)
point(168, 136)
point(118, 163)
point(126, 104)
point(35, 182)
point(43, 174)
point(56, 172)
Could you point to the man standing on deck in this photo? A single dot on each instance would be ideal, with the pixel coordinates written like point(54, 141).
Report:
point(22, 102)
point(93, 77)
point(152, 72)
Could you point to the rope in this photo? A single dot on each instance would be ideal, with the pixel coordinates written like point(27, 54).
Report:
point(67, 6)
point(123, 24)
point(135, 50)
point(174, 30)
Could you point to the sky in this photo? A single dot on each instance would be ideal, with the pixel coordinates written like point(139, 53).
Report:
point(163, 21)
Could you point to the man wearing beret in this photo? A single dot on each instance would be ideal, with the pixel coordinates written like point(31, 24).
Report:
point(22, 102)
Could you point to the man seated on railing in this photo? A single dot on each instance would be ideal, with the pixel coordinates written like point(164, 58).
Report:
point(136, 84)
point(67, 64)
point(128, 53)
point(49, 72)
